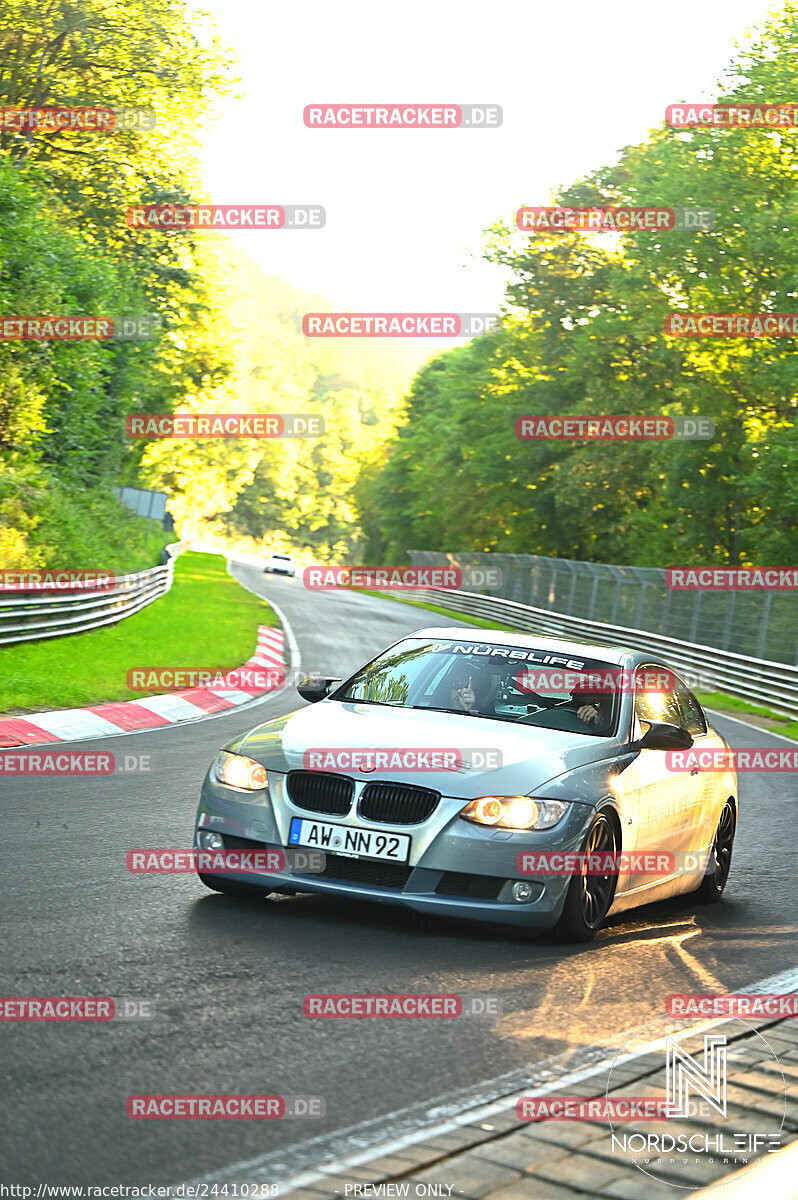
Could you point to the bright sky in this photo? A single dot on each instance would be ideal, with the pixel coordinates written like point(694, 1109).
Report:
point(405, 208)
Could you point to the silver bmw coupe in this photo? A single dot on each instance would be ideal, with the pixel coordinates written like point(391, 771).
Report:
point(495, 776)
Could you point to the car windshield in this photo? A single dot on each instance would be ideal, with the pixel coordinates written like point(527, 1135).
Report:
point(282, 557)
point(505, 683)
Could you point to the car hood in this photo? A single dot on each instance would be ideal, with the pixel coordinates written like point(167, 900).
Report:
point(514, 759)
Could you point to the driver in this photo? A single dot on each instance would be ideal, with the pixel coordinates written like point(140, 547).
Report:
point(594, 708)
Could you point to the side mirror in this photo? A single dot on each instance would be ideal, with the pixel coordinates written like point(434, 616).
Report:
point(316, 687)
point(662, 736)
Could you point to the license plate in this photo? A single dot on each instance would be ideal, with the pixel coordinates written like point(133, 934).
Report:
point(348, 841)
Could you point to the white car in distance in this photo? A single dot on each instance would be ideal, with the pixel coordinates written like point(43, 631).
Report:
point(280, 564)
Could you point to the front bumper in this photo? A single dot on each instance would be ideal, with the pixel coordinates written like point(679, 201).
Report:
point(464, 870)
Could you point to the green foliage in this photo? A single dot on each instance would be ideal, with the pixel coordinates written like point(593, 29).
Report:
point(65, 248)
point(278, 493)
point(229, 339)
point(59, 400)
point(584, 335)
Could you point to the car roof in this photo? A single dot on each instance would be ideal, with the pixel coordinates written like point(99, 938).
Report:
point(500, 637)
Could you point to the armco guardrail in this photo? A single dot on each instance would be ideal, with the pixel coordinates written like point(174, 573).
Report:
point(757, 624)
point(30, 616)
point(773, 684)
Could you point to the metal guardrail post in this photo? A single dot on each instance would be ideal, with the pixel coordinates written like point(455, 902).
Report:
point(763, 633)
point(666, 614)
point(593, 595)
point(696, 616)
point(572, 592)
point(616, 600)
point(727, 624)
point(640, 603)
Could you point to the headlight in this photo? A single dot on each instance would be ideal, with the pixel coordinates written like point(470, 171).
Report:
point(515, 812)
point(240, 772)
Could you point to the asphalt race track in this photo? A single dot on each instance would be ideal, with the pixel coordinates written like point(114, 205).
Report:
point(228, 977)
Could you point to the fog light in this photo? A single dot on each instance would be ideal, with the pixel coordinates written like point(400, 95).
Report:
point(209, 840)
point(522, 891)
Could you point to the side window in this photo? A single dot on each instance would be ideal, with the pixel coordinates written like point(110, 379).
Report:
point(655, 706)
point(692, 712)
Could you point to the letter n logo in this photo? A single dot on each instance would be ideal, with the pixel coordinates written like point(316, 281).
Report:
point(684, 1074)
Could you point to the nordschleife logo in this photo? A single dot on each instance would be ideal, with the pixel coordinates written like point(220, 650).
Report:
point(716, 1119)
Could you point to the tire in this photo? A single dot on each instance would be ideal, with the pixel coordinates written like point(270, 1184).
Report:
point(243, 891)
point(589, 897)
point(719, 864)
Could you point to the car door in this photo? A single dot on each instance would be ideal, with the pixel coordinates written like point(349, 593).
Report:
point(707, 778)
point(662, 807)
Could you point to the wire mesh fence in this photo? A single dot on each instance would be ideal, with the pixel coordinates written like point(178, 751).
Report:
point(759, 624)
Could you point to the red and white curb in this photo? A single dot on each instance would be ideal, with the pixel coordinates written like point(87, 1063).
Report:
point(152, 712)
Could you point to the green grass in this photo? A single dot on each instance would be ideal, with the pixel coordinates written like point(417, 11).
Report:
point(719, 701)
point(722, 702)
point(205, 620)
